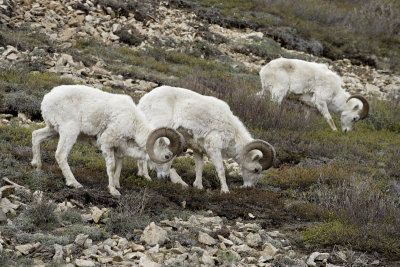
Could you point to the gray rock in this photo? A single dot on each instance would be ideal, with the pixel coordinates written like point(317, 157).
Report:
point(80, 239)
point(207, 259)
point(84, 263)
point(206, 239)
point(59, 253)
point(154, 234)
point(242, 248)
point(317, 256)
point(268, 250)
point(27, 248)
point(253, 240)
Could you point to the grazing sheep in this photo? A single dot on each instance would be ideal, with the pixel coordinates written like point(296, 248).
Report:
point(113, 120)
point(317, 86)
point(209, 127)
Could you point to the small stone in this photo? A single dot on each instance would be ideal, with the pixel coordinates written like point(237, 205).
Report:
point(110, 242)
point(88, 243)
point(80, 239)
point(268, 250)
point(7, 206)
point(91, 250)
point(242, 248)
point(122, 243)
point(222, 246)
point(146, 262)
point(317, 256)
point(253, 240)
point(322, 256)
point(225, 241)
point(59, 253)
point(235, 239)
point(206, 239)
point(105, 260)
point(84, 263)
point(342, 255)
point(25, 249)
point(206, 259)
point(154, 234)
point(116, 27)
point(137, 247)
point(265, 258)
point(96, 214)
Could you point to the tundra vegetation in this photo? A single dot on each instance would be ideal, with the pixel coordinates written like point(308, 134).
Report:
point(332, 188)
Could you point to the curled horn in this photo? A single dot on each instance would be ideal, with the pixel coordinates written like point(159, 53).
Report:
point(268, 151)
point(175, 139)
point(365, 109)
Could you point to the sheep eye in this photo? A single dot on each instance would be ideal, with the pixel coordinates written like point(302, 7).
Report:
point(355, 118)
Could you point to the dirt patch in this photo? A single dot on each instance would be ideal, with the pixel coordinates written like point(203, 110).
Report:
point(86, 196)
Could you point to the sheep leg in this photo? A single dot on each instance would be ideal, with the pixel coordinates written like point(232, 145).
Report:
point(142, 169)
point(117, 173)
point(199, 163)
point(108, 154)
point(68, 136)
point(39, 136)
point(278, 93)
point(216, 158)
point(323, 109)
point(175, 178)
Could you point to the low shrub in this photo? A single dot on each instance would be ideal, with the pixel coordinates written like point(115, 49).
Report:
point(38, 216)
point(96, 233)
point(70, 216)
point(45, 239)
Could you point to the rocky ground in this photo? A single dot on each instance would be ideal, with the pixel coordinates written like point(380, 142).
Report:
point(201, 238)
point(65, 21)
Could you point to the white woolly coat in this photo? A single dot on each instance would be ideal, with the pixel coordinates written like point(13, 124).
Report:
point(201, 115)
point(96, 111)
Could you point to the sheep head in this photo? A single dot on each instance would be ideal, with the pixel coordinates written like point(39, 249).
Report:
point(354, 112)
point(256, 156)
point(156, 140)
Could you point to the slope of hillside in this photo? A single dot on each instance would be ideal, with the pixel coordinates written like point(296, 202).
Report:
point(332, 192)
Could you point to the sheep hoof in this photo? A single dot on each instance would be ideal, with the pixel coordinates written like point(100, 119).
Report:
point(74, 184)
point(198, 186)
point(224, 190)
point(36, 165)
point(114, 192)
point(183, 184)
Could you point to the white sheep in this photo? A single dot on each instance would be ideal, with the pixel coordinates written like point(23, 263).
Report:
point(209, 127)
point(113, 120)
point(317, 86)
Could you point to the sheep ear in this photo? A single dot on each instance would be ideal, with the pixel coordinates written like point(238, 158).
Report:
point(356, 107)
point(162, 142)
point(256, 157)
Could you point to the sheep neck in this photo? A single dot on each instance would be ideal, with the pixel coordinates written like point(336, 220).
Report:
point(339, 102)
